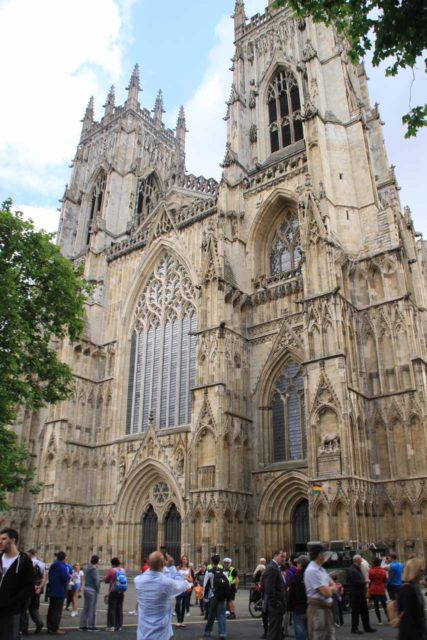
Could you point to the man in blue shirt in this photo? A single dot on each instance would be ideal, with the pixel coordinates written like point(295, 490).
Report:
point(57, 590)
point(395, 573)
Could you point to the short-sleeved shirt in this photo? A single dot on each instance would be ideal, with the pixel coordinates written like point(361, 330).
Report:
point(395, 574)
point(315, 577)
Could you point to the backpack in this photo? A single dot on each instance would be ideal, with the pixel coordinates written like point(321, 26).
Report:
point(120, 582)
point(221, 586)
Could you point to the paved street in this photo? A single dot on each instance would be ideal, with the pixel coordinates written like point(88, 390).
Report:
point(244, 628)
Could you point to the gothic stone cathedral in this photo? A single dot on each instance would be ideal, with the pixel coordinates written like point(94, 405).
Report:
point(245, 340)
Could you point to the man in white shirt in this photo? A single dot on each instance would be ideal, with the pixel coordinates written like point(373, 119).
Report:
point(154, 590)
point(320, 589)
point(40, 579)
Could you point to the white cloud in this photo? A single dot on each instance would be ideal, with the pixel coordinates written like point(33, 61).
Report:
point(46, 218)
point(206, 108)
point(60, 53)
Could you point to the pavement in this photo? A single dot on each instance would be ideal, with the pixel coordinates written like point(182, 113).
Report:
point(243, 628)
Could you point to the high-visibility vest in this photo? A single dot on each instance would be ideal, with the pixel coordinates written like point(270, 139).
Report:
point(231, 580)
point(210, 567)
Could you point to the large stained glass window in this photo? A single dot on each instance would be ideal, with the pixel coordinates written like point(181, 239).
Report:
point(285, 254)
point(284, 111)
point(163, 350)
point(287, 407)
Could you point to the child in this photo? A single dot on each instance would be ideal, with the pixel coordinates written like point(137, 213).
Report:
point(338, 598)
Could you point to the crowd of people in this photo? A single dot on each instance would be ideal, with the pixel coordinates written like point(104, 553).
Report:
point(297, 591)
point(301, 592)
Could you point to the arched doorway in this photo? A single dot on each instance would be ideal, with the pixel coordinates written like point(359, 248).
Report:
point(301, 526)
point(149, 532)
point(173, 533)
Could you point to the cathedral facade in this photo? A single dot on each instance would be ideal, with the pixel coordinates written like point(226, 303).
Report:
point(253, 369)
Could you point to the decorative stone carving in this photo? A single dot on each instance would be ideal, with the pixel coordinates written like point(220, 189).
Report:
point(308, 52)
point(253, 133)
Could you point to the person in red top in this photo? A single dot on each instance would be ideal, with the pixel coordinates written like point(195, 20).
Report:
point(377, 584)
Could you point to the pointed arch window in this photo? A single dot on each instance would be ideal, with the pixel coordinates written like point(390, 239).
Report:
point(285, 254)
point(289, 441)
point(284, 110)
point(147, 196)
point(162, 367)
point(96, 202)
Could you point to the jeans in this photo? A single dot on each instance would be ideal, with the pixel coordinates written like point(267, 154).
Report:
point(180, 607)
point(216, 610)
point(115, 610)
point(9, 627)
point(300, 625)
point(32, 611)
point(88, 617)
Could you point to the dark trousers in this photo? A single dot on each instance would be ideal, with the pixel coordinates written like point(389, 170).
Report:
point(32, 611)
point(359, 608)
point(54, 613)
point(380, 600)
point(275, 622)
point(180, 607)
point(187, 600)
point(338, 611)
point(9, 627)
point(115, 609)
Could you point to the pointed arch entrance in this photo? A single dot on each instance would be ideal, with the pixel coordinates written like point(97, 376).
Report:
point(283, 499)
point(301, 526)
point(149, 532)
point(173, 533)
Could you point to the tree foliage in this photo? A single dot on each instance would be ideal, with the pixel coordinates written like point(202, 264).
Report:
point(42, 299)
point(398, 27)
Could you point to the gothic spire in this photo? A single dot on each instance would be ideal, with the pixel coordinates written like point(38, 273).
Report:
point(158, 108)
point(133, 89)
point(239, 14)
point(110, 102)
point(88, 116)
point(180, 132)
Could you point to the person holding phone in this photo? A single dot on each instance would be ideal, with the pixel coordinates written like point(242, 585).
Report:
point(154, 590)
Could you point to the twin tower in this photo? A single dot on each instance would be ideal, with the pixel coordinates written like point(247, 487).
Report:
point(253, 369)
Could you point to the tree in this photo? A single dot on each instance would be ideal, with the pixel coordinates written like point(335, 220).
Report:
point(398, 27)
point(42, 299)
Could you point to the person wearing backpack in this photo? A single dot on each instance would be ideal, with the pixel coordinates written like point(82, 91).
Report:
point(116, 578)
point(217, 591)
point(32, 610)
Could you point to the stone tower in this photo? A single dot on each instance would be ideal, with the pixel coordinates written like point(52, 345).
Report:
point(247, 341)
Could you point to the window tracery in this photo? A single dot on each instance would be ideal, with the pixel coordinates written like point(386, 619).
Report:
point(147, 196)
point(285, 252)
point(284, 111)
point(162, 367)
point(288, 419)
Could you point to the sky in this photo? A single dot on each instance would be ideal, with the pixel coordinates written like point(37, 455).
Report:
point(60, 52)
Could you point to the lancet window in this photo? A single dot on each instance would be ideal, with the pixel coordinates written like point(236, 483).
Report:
point(147, 196)
point(162, 367)
point(96, 201)
point(289, 440)
point(284, 111)
point(285, 252)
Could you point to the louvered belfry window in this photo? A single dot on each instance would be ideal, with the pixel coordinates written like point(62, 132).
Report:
point(284, 111)
point(162, 368)
point(285, 252)
point(288, 419)
point(147, 196)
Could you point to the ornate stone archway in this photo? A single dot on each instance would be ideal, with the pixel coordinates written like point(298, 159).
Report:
point(277, 509)
point(149, 486)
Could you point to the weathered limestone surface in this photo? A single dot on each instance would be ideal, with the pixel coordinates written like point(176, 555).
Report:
point(351, 314)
